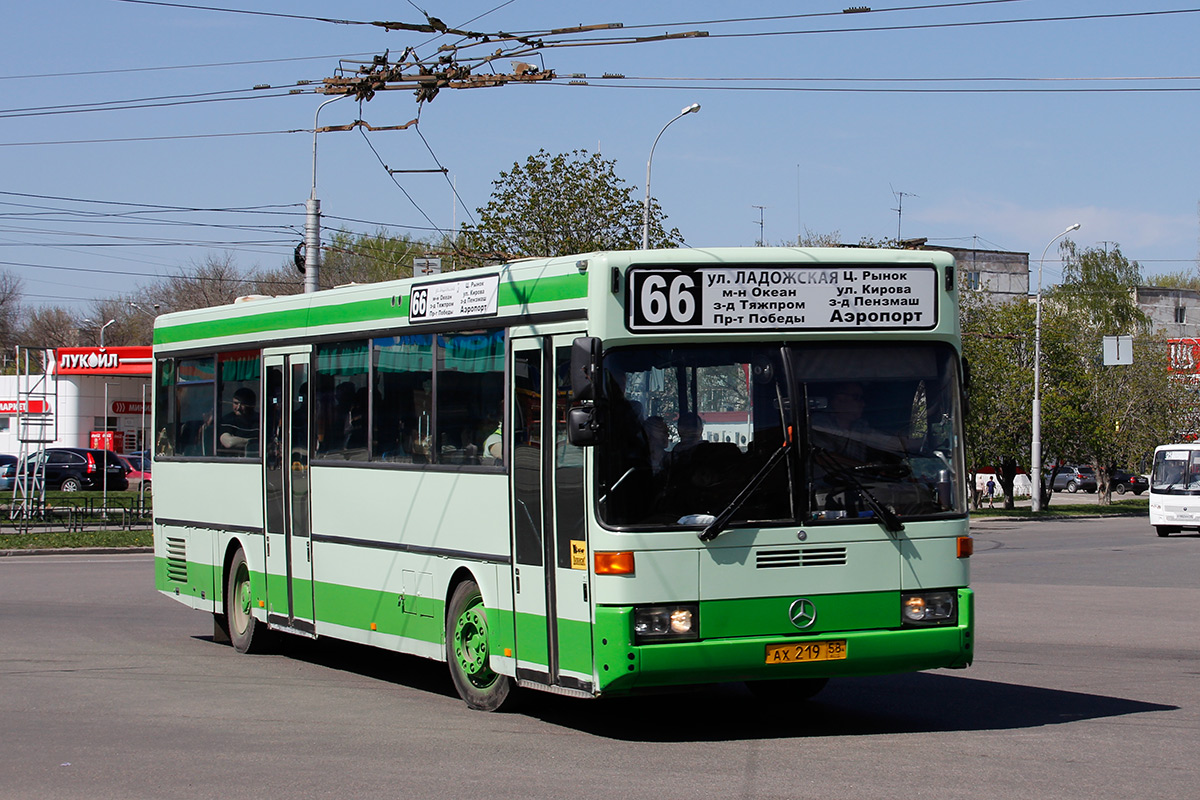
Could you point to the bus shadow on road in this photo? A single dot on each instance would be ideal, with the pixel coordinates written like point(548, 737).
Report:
point(920, 703)
point(915, 703)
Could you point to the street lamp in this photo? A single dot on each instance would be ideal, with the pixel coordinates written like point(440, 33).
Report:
point(312, 217)
point(1035, 472)
point(102, 327)
point(692, 109)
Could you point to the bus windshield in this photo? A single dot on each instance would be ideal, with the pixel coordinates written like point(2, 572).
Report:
point(689, 427)
point(1176, 472)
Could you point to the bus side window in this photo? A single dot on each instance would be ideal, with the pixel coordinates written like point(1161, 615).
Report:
point(469, 394)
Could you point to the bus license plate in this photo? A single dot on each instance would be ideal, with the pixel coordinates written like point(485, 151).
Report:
point(830, 650)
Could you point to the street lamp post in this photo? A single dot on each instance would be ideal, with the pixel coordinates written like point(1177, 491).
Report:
point(692, 109)
point(1035, 471)
point(312, 217)
point(102, 327)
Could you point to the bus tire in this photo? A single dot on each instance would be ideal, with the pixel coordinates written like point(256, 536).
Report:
point(467, 649)
point(787, 690)
point(246, 634)
point(1166, 530)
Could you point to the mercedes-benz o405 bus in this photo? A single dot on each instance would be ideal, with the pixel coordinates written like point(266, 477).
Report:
point(590, 475)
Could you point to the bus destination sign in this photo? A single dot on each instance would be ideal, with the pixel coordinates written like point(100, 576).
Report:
point(469, 297)
point(782, 297)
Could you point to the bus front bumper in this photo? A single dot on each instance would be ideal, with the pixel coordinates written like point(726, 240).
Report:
point(623, 667)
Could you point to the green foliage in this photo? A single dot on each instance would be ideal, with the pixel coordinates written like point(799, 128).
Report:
point(56, 539)
point(1175, 280)
point(1106, 416)
point(368, 258)
point(998, 343)
point(562, 204)
point(1097, 283)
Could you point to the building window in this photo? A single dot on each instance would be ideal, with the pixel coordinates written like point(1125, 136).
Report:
point(972, 280)
point(1180, 314)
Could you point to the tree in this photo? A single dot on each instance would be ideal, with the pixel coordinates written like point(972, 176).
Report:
point(10, 308)
point(368, 258)
point(1099, 284)
point(814, 239)
point(562, 204)
point(212, 282)
point(51, 326)
point(1106, 415)
point(998, 344)
point(1174, 280)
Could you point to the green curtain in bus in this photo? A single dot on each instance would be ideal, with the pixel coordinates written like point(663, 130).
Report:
point(473, 352)
point(196, 370)
point(241, 366)
point(404, 354)
point(343, 359)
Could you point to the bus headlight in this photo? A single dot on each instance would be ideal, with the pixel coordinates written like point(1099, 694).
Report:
point(928, 608)
point(666, 623)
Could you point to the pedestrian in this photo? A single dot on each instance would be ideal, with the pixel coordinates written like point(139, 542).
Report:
point(991, 492)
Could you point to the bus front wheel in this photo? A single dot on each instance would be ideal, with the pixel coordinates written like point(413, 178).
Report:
point(245, 633)
point(468, 648)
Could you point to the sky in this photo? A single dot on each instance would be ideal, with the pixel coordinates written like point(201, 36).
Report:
point(134, 144)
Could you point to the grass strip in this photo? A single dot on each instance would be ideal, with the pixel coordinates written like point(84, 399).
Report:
point(74, 539)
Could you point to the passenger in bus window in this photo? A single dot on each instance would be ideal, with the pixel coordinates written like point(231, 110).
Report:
point(657, 435)
point(691, 435)
point(239, 428)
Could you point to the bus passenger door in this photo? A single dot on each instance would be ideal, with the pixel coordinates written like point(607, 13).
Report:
point(572, 635)
point(525, 458)
point(286, 488)
point(550, 575)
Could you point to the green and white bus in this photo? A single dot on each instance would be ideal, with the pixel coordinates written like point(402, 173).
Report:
point(590, 475)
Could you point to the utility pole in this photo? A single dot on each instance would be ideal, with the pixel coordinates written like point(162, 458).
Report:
point(312, 217)
point(761, 238)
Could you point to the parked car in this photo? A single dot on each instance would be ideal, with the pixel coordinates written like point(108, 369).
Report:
point(71, 469)
point(1121, 482)
point(6, 480)
point(1073, 478)
point(139, 471)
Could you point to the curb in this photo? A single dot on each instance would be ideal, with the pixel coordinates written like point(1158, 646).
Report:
point(85, 551)
point(1052, 518)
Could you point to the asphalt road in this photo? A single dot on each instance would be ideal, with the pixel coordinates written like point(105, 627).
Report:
point(1085, 686)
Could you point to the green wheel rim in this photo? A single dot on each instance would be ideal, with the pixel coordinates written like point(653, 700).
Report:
point(471, 646)
point(240, 607)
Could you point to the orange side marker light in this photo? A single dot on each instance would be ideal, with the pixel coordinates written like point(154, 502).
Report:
point(966, 546)
point(613, 563)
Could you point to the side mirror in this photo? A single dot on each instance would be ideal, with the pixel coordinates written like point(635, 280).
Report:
point(582, 430)
point(585, 366)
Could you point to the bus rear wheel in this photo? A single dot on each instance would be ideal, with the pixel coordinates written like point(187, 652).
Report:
point(1166, 530)
point(246, 634)
point(468, 648)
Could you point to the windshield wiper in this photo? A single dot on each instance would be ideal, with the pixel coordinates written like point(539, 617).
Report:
point(717, 526)
point(883, 515)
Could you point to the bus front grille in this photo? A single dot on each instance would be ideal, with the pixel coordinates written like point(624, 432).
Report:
point(801, 557)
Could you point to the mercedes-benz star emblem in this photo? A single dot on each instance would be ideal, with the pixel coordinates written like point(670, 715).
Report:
point(802, 613)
